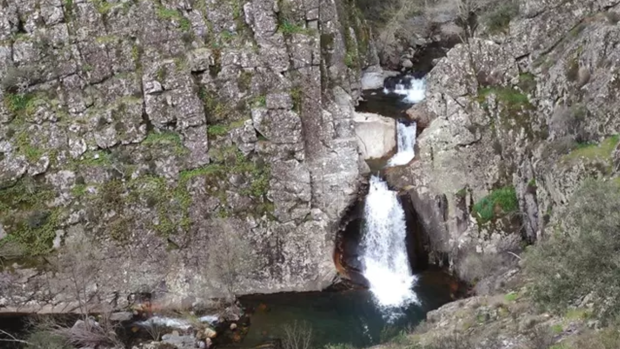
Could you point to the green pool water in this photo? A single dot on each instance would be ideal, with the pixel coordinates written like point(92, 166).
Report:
point(340, 317)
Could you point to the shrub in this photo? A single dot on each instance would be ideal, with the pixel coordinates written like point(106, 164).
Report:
point(500, 201)
point(581, 258)
point(475, 267)
point(498, 19)
point(605, 339)
point(43, 339)
point(297, 336)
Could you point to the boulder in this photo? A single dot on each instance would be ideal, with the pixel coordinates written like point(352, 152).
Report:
point(180, 342)
point(373, 79)
point(121, 316)
point(376, 135)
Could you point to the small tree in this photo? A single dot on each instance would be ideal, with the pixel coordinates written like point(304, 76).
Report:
point(581, 258)
point(79, 272)
point(297, 336)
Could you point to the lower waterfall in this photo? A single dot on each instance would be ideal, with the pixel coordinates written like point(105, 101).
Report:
point(384, 258)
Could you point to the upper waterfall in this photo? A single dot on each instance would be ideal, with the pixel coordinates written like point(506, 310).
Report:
point(385, 261)
point(414, 90)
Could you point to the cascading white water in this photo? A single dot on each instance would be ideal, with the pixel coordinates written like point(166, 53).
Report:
point(406, 142)
point(414, 91)
point(386, 266)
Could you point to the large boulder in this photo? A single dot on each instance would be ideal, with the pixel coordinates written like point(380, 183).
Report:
point(376, 135)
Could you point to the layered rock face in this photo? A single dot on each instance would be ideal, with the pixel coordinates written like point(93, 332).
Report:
point(529, 110)
point(197, 148)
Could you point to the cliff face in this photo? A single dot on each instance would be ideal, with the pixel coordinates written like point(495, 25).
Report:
point(197, 147)
point(519, 117)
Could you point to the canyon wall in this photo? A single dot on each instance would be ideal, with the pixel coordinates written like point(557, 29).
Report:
point(188, 149)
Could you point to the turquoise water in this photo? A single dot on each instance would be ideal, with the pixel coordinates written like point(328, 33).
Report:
point(340, 317)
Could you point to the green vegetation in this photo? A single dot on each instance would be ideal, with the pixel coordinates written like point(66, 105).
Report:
point(589, 151)
point(510, 97)
point(95, 158)
point(527, 82)
point(499, 19)
point(19, 103)
point(102, 6)
point(351, 59)
point(288, 28)
point(26, 216)
point(220, 130)
point(511, 297)
point(174, 15)
point(259, 101)
point(165, 138)
point(26, 148)
point(580, 257)
point(498, 202)
point(296, 96)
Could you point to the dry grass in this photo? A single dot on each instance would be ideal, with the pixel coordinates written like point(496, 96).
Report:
point(91, 333)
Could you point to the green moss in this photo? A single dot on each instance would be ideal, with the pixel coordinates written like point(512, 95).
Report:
point(174, 15)
point(19, 103)
point(216, 110)
point(351, 59)
point(602, 151)
point(557, 329)
point(461, 193)
point(27, 217)
point(245, 80)
point(95, 158)
point(135, 54)
point(511, 98)
point(289, 28)
point(164, 138)
point(511, 297)
point(26, 148)
point(578, 314)
point(102, 6)
point(296, 96)
point(498, 202)
point(527, 82)
point(79, 190)
point(259, 101)
point(106, 39)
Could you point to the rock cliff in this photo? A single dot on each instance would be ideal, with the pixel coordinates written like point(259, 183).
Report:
point(197, 148)
point(519, 117)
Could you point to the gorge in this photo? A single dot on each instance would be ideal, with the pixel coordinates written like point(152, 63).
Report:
point(201, 173)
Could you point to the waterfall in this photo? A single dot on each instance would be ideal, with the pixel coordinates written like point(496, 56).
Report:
point(385, 262)
point(406, 141)
point(414, 90)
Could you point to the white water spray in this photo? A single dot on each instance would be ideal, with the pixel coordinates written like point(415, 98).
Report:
point(406, 142)
point(386, 266)
point(414, 90)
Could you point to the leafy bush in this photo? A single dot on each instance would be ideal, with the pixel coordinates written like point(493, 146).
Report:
point(581, 259)
point(503, 200)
